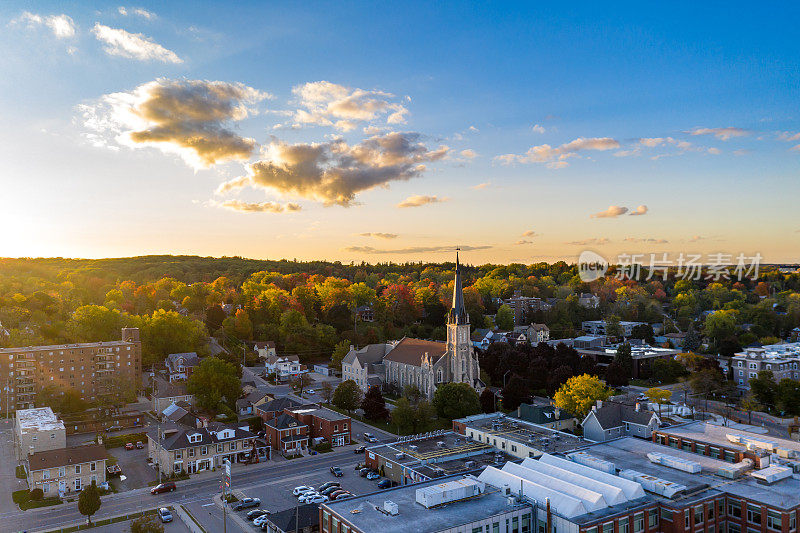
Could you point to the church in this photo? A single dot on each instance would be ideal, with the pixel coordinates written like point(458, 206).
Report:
point(427, 364)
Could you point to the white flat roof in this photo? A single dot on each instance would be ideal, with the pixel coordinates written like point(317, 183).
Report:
point(40, 418)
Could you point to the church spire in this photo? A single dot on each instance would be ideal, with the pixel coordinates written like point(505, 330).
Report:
point(458, 313)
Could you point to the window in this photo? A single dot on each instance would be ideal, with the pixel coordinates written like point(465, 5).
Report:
point(190, 452)
point(710, 511)
point(734, 509)
point(62, 472)
point(46, 474)
point(608, 528)
point(176, 467)
point(45, 487)
point(666, 514)
point(698, 515)
point(652, 519)
point(178, 455)
point(219, 448)
point(204, 450)
point(77, 469)
point(774, 520)
point(721, 507)
point(734, 528)
point(753, 514)
point(92, 467)
point(233, 446)
point(623, 525)
point(638, 522)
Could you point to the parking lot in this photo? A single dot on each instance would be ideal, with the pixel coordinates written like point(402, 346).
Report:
point(278, 496)
point(134, 467)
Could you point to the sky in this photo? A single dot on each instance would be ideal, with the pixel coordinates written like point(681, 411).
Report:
point(374, 132)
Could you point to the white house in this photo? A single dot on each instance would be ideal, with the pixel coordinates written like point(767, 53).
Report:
point(284, 366)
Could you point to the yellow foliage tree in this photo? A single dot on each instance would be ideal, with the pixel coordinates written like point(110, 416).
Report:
point(579, 393)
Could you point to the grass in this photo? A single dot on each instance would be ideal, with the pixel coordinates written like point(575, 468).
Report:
point(21, 474)
point(106, 521)
point(115, 441)
point(23, 499)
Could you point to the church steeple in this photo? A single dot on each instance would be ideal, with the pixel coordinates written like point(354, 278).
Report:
point(458, 313)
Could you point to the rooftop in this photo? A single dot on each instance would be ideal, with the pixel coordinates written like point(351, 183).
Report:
point(715, 434)
point(362, 512)
point(437, 447)
point(38, 419)
point(522, 432)
point(67, 456)
point(51, 347)
point(773, 352)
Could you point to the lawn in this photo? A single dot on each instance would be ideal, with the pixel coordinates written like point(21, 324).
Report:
point(23, 499)
point(115, 441)
point(21, 472)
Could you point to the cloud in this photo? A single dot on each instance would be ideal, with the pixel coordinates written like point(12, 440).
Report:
point(258, 207)
point(334, 172)
point(538, 129)
point(587, 242)
point(696, 238)
point(413, 250)
point(795, 148)
point(742, 151)
point(62, 26)
point(721, 133)
point(419, 200)
point(481, 185)
point(530, 233)
point(330, 104)
point(556, 157)
point(612, 212)
point(641, 210)
point(649, 240)
point(379, 235)
point(185, 117)
point(136, 11)
point(789, 136)
point(523, 241)
point(121, 43)
point(469, 153)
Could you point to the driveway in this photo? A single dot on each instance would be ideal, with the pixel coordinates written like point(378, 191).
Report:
point(134, 467)
point(8, 465)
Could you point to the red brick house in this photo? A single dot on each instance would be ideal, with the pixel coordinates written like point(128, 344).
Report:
point(286, 434)
point(324, 423)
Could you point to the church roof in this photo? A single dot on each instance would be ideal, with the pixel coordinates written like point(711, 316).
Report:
point(410, 351)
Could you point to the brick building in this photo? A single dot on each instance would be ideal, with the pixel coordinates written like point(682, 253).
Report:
point(67, 470)
point(93, 369)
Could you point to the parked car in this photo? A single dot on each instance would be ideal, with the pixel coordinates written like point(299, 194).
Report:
point(329, 484)
point(305, 498)
point(363, 472)
point(373, 475)
point(261, 520)
point(369, 437)
point(335, 494)
point(255, 513)
point(139, 445)
point(246, 503)
point(384, 483)
point(330, 490)
point(167, 486)
point(301, 489)
point(319, 498)
point(129, 446)
point(336, 471)
point(164, 515)
point(343, 495)
point(360, 449)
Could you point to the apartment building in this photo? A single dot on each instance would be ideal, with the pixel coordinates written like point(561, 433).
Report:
point(38, 430)
point(192, 450)
point(783, 360)
point(92, 369)
point(67, 470)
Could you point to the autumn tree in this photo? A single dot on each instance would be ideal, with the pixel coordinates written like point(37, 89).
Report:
point(579, 394)
point(326, 390)
point(504, 319)
point(341, 349)
point(374, 405)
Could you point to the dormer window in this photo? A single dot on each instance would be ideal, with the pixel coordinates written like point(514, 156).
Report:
point(195, 437)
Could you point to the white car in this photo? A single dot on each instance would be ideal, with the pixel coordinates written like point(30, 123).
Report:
point(319, 498)
point(261, 520)
point(304, 498)
point(301, 489)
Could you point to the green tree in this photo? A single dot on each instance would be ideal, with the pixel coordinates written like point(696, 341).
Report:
point(214, 381)
point(764, 387)
point(787, 396)
point(326, 390)
point(488, 401)
point(616, 375)
point(514, 393)
point(456, 400)
point(166, 332)
point(691, 343)
point(613, 328)
point(707, 381)
point(668, 370)
point(89, 501)
point(147, 524)
point(347, 396)
point(91, 323)
point(412, 394)
point(411, 419)
point(750, 403)
point(504, 318)
point(720, 325)
point(239, 325)
point(579, 394)
point(374, 405)
point(341, 349)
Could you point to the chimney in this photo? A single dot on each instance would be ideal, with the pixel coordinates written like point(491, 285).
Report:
point(638, 407)
point(599, 404)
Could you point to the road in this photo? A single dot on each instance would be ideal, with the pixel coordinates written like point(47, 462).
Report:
point(255, 478)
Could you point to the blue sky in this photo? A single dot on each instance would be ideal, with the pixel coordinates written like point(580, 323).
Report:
point(527, 120)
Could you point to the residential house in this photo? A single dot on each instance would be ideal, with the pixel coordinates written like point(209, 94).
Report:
point(301, 519)
point(166, 393)
point(191, 449)
point(66, 470)
point(271, 409)
point(38, 430)
point(365, 313)
point(286, 434)
point(181, 365)
point(284, 366)
point(359, 365)
point(323, 424)
point(181, 413)
point(537, 333)
point(547, 415)
point(247, 406)
point(613, 419)
point(588, 300)
point(265, 349)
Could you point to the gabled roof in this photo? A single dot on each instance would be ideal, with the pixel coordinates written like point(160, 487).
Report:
point(208, 436)
point(263, 344)
point(189, 359)
point(306, 515)
point(410, 351)
point(615, 414)
point(371, 353)
point(67, 456)
point(284, 421)
point(278, 404)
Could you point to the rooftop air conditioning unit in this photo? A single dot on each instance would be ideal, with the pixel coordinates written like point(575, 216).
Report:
point(440, 444)
point(412, 447)
point(399, 455)
point(390, 508)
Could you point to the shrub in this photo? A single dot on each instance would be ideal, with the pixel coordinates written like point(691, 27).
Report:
point(37, 494)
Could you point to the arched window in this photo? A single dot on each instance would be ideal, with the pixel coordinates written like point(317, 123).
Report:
point(439, 376)
point(463, 365)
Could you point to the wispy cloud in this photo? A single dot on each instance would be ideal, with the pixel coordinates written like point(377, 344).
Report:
point(523, 241)
point(334, 172)
point(641, 210)
point(258, 207)
point(379, 235)
point(557, 157)
point(481, 185)
point(612, 212)
point(121, 43)
point(721, 133)
point(789, 136)
point(538, 129)
point(469, 153)
point(413, 249)
point(186, 117)
point(587, 242)
point(62, 26)
point(648, 240)
point(529, 233)
point(420, 200)
point(329, 104)
point(125, 11)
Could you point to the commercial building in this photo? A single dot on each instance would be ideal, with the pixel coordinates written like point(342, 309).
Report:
point(613, 419)
point(93, 370)
point(38, 430)
point(66, 470)
point(642, 353)
point(301, 519)
point(430, 456)
point(515, 437)
point(783, 360)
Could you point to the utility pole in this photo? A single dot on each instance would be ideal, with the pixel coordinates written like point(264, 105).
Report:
point(158, 423)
